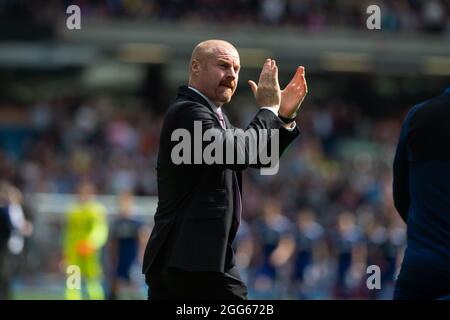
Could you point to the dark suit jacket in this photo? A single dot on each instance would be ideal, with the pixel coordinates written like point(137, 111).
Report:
point(195, 222)
point(422, 191)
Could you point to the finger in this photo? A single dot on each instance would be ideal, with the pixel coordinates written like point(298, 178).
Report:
point(301, 69)
point(305, 85)
point(302, 79)
point(275, 75)
point(268, 66)
point(253, 86)
point(265, 70)
point(274, 66)
point(299, 73)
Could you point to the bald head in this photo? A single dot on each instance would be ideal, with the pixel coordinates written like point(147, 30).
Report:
point(208, 48)
point(214, 69)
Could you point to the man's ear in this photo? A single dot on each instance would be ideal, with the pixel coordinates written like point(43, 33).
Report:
point(195, 66)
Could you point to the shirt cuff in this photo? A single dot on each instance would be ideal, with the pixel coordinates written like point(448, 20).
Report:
point(288, 127)
point(291, 126)
point(273, 109)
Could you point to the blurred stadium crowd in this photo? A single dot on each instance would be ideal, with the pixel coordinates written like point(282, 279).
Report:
point(311, 15)
point(310, 231)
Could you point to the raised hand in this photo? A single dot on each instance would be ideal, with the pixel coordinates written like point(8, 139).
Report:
point(267, 93)
point(293, 94)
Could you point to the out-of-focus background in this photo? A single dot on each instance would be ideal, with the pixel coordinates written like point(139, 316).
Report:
point(87, 106)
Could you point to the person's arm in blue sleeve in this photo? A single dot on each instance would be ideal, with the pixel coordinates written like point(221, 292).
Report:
point(401, 170)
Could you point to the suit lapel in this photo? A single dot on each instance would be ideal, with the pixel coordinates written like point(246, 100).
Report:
point(185, 91)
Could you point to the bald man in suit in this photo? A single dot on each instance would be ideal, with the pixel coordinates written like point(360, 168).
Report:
point(189, 254)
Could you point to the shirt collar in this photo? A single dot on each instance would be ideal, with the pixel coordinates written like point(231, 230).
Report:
point(213, 106)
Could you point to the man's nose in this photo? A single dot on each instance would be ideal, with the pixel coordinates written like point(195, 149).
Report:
point(231, 75)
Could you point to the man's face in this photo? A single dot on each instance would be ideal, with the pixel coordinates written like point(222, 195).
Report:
point(218, 74)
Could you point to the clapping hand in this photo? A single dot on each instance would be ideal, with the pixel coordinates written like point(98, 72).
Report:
point(267, 93)
point(293, 94)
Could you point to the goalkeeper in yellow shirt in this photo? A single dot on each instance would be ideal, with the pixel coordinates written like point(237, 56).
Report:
point(85, 235)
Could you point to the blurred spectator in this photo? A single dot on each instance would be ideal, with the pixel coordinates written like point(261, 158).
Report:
point(273, 233)
point(272, 11)
point(351, 257)
point(244, 247)
point(5, 232)
point(85, 235)
point(310, 248)
point(20, 226)
point(127, 242)
point(434, 16)
point(13, 228)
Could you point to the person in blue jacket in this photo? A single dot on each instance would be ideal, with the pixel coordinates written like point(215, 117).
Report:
point(421, 190)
